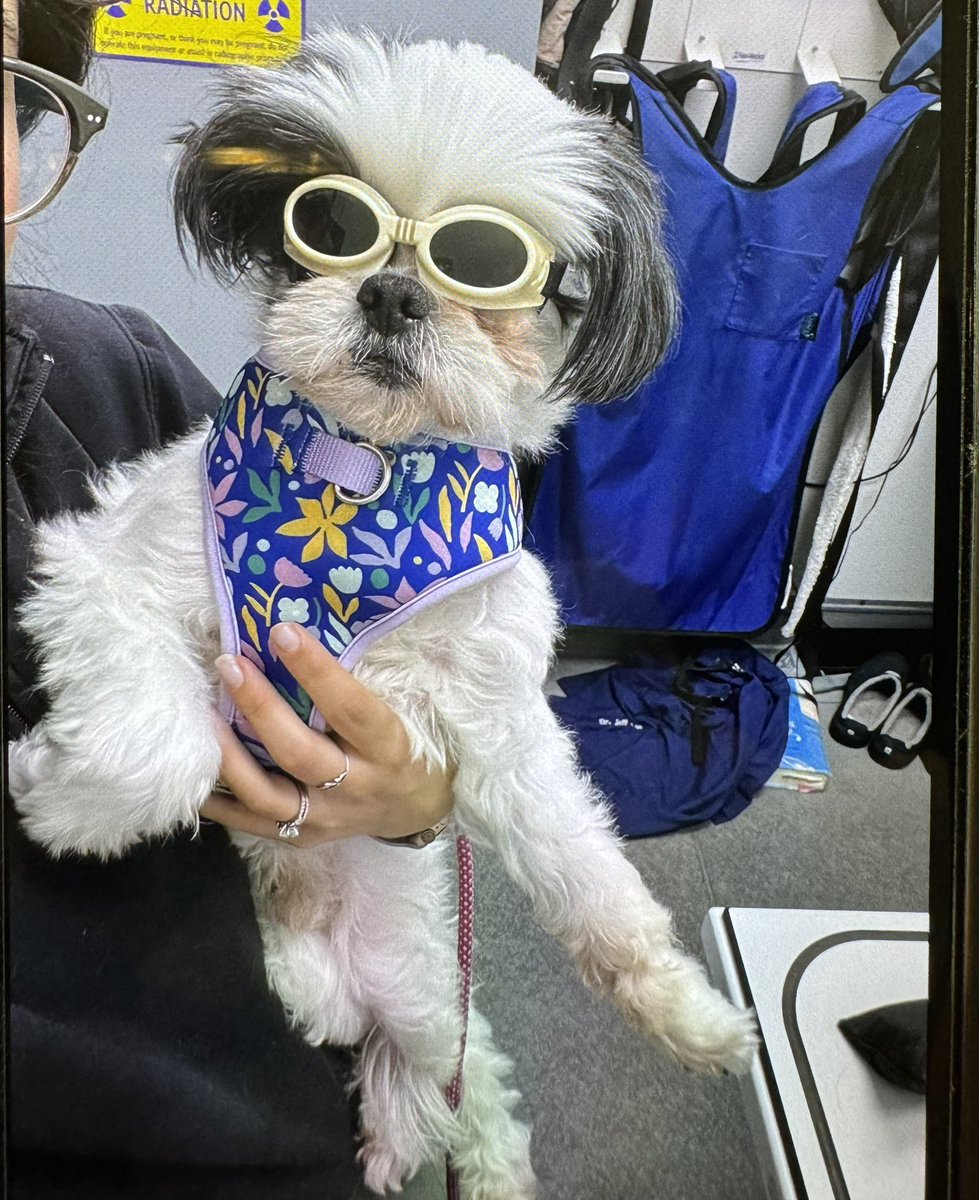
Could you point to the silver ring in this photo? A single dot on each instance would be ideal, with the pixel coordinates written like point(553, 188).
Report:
point(332, 783)
point(290, 829)
point(382, 487)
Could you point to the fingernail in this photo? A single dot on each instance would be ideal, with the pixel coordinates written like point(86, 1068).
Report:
point(285, 637)
point(229, 671)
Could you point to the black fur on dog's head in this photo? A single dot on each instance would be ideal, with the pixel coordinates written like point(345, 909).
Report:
point(431, 126)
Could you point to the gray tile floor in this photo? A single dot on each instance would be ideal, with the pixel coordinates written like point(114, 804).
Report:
point(613, 1118)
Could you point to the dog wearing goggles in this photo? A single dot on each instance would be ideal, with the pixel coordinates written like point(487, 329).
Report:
point(451, 259)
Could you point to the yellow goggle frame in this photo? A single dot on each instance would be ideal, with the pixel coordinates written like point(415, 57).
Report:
point(535, 283)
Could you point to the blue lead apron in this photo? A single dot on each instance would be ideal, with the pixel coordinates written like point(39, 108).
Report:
point(674, 509)
point(284, 545)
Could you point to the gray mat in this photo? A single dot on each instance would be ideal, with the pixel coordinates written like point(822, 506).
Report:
point(613, 1118)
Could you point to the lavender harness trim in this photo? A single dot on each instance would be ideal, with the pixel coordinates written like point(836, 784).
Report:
point(282, 545)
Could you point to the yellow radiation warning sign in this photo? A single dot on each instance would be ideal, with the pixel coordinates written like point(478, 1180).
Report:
point(213, 32)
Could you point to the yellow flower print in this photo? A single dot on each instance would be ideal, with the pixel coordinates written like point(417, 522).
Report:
point(321, 523)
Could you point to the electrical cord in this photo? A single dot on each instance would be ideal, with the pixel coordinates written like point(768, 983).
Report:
point(885, 474)
point(929, 399)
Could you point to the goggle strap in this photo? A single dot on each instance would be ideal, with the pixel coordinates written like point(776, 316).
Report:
point(552, 283)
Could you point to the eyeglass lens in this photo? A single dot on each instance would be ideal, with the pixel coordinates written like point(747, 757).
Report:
point(44, 130)
point(333, 222)
point(478, 253)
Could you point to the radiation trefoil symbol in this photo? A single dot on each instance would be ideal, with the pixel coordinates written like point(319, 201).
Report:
point(276, 11)
point(119, 10)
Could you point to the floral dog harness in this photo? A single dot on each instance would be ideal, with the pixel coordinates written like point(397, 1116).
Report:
point(311, 525)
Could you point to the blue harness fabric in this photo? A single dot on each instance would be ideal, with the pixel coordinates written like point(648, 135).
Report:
point(283, 546)
point(673, 509)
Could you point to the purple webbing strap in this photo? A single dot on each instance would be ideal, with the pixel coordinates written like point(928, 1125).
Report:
point(467, 905)
point(352, 467)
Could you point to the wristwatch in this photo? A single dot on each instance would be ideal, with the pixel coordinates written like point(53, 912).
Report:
point(418, 841)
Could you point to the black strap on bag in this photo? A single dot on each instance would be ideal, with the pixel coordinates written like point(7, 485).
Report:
point(900, 218)
point(681, 79)
point(788, 156)
point(580, 39)
point(574, 78)
point(702, 691)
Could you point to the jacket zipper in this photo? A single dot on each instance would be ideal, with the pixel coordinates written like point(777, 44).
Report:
point(47, 362)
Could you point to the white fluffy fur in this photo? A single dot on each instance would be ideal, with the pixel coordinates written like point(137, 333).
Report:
point(358, 935)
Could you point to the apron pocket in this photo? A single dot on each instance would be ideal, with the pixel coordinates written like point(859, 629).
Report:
point(776, 295)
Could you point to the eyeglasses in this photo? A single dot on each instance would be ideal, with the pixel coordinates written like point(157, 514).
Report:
point(475, 254)
point(55, 121)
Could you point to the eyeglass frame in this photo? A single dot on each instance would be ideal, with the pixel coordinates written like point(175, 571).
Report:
point(86, 117)
point(537, 282)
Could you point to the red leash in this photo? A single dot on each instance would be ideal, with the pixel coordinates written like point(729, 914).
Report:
point(467, 904)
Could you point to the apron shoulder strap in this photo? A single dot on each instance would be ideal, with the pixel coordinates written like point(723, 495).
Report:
point(817, 102)
point(681, 79)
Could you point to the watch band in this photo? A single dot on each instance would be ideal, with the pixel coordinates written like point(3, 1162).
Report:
point(424, 837)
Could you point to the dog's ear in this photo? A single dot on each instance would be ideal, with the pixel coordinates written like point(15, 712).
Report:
point(631, 307)
point(235, 173)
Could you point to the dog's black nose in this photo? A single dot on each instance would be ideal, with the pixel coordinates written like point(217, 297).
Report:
point(390, 301)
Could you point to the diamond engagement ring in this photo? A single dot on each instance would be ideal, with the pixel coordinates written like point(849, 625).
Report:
point(290, 829)
point(332, 783)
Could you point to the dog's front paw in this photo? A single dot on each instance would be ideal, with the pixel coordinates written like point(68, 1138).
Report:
point(676, 1004)
point(713, 1035)
point(65, 820)
point(62, 816)
point(29, 760)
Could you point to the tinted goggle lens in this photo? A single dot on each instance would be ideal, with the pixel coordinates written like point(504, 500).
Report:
point(336, 223)
point(473, 253)
point(478, 254)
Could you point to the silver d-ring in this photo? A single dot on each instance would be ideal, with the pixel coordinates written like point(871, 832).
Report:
point(382, 487)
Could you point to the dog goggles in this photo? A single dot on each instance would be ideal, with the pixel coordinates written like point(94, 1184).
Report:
point(474, 254)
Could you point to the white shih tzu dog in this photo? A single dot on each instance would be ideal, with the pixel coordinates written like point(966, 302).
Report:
point(409, 211)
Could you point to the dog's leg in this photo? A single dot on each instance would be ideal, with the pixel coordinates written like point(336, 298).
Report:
point(484, 656)
point(127, 749)
point(519, 790)
point(397, 930)
point(405, 1118)
point(492, 1148)
point(97, 782)
point(356, 947)
point(300, 900)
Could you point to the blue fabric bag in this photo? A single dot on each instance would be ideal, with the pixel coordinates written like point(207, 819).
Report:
point(674, 740)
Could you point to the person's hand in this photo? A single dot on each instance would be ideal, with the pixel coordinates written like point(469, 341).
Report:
point(385, 794)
